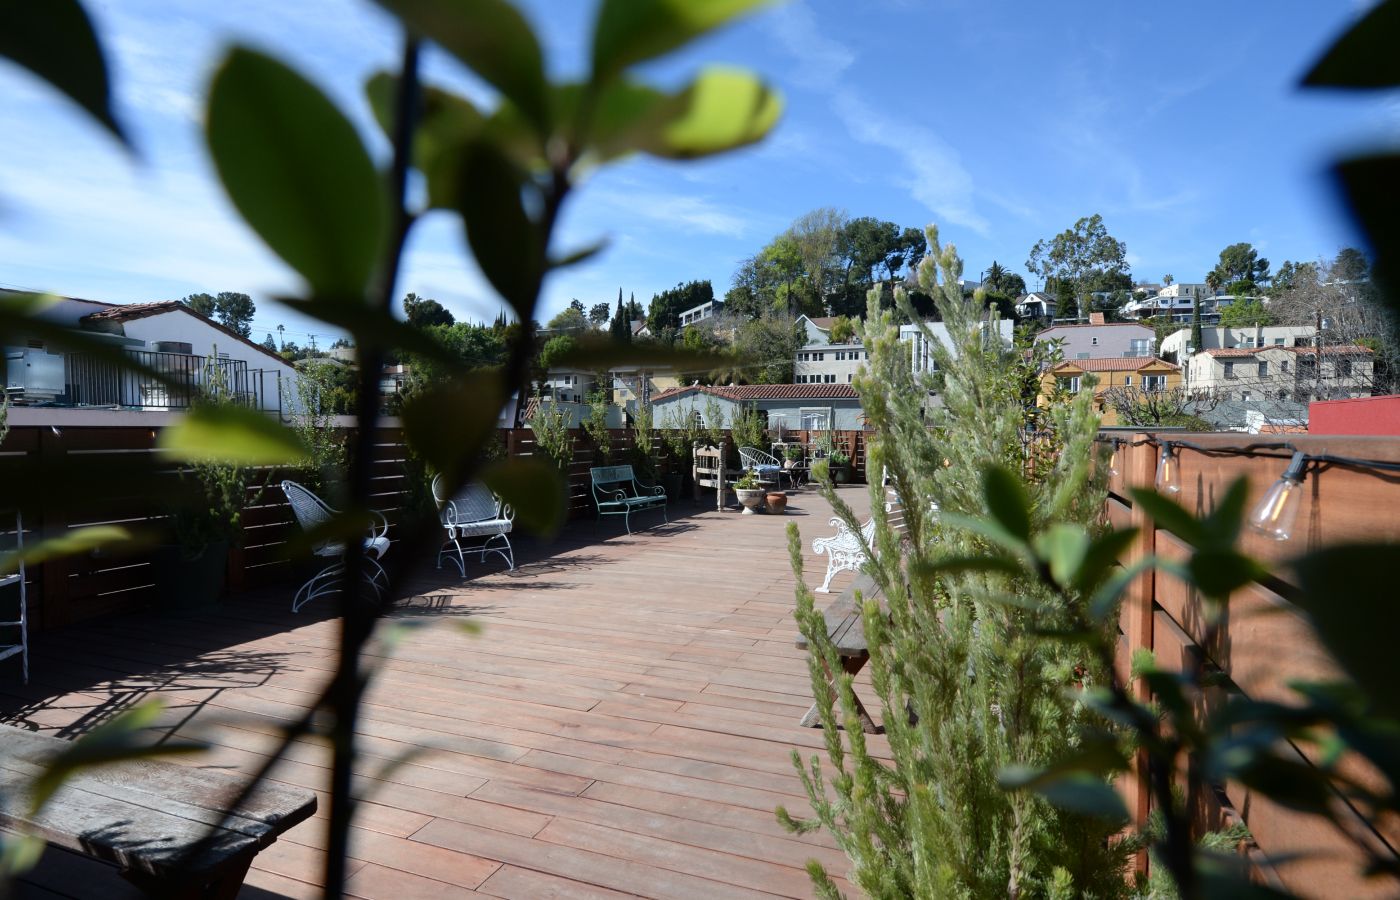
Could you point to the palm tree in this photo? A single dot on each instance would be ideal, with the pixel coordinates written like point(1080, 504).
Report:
point(1214, 281)
point(280, 339)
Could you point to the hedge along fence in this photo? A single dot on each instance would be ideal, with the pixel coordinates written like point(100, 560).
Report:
point(1265, 641)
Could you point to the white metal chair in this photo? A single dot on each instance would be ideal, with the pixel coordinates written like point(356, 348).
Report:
point(311, 511)
point(765, 465)
point(474, 512)
point(20, 649)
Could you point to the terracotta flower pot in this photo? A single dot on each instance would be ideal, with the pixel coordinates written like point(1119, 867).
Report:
point(777, 502)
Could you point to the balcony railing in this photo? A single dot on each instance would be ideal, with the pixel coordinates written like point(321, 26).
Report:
point(96, 382)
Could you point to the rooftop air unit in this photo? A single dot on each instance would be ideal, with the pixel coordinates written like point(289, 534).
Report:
point(34, 376)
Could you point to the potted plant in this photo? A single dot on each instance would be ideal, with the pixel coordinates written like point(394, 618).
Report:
point(840, 465)
point(793, 456)
point(750, 493)
point(776, 502)
point(206, 508)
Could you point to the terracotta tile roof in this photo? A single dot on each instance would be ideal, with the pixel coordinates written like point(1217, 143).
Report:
point(740, 392)
point(125, 312)
point(822, 322)
point(1114, 364)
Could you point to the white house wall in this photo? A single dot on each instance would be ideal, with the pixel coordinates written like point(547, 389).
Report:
point(202, 338)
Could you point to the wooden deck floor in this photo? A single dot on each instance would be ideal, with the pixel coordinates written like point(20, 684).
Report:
point(622, 726)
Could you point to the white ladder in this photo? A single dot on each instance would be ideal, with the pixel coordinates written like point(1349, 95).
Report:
point(22, 623)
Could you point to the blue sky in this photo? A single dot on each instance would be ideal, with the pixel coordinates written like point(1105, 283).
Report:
point(1001, 121)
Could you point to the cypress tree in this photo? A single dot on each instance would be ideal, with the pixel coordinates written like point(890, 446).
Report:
point(621, 326)
point(1196, 323)
point(969, 681)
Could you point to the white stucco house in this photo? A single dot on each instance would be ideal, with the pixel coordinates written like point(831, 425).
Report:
point(166, 336)
point(809, 407)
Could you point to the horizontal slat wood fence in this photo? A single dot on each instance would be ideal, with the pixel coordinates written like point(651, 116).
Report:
point(1265, 641)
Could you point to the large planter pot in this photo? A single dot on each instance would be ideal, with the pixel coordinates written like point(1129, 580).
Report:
point(841, 474)
point(776, 501)
point(188, 585)
point(750, 498)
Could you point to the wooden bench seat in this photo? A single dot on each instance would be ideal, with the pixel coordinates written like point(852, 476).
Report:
point(145, 815)
point(845, 626)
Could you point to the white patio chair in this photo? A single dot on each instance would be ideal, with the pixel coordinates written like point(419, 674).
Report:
point(767, 466)
point(473, 512)
point(311, 512)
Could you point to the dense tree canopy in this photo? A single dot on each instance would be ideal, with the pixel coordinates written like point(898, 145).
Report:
point(1242, 263)
point(231, 309)
point(1079, 261)
point(667, 306)
point(421, 312)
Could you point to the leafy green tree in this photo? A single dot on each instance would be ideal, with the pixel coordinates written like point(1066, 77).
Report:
point(667, 306)
point(422, 312)
point(765, 349)
point(1002, 280)
point(269, 344)
point(236, 311)
point(570, 318)
point(204, 304)
point(843, 330)
point(1350, 265)
point(556, 348)
point(600, 313)
point(1245, 313)
point(1080, 260)
point(1242, 263)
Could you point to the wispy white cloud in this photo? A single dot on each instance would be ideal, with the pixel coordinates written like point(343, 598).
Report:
point(933, 171)
point(688, 213)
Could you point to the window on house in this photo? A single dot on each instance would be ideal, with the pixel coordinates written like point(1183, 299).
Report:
point(821, 356)
point(1278, 342)
point(848, 379)
point(814, 419)
point(1127, 381)
point(1229, 370)
point(1249, 341)
point(1263, 369)
point(1093, 341)
point(1140, 347)
point(831, 379)
point(1154, 383)
point(1070, 384)
point(1081, 356)
point(1343, 368)
point(1244, 395)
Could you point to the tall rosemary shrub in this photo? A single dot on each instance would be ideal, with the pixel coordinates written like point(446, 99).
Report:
point(970, 679)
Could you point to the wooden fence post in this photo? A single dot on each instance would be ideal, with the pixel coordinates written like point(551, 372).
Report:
point(1136, 619)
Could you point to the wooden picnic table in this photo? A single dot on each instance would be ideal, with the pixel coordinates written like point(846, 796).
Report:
point(846, 627)
point(146, 815)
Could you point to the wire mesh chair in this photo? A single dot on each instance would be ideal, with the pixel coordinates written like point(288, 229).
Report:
point(312, 512)
point(765, 465)
point(474, 512)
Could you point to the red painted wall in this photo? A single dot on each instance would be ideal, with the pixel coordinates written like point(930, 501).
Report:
point(1364, 415)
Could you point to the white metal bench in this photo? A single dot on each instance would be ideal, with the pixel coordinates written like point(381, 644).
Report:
point(311, 513)
point(474, 513)
point(845, 550)
point(617, 492)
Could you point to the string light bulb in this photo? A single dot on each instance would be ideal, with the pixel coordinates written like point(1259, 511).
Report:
point(1113, 460)
point(1168, 470)
point(1275, 515)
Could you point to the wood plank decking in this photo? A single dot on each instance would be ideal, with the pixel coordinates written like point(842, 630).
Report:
point(623, 726)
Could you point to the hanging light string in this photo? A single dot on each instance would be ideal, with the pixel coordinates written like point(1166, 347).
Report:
point(1276, 513)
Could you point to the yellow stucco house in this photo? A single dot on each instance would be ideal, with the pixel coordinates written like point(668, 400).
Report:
point(1143, 373)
